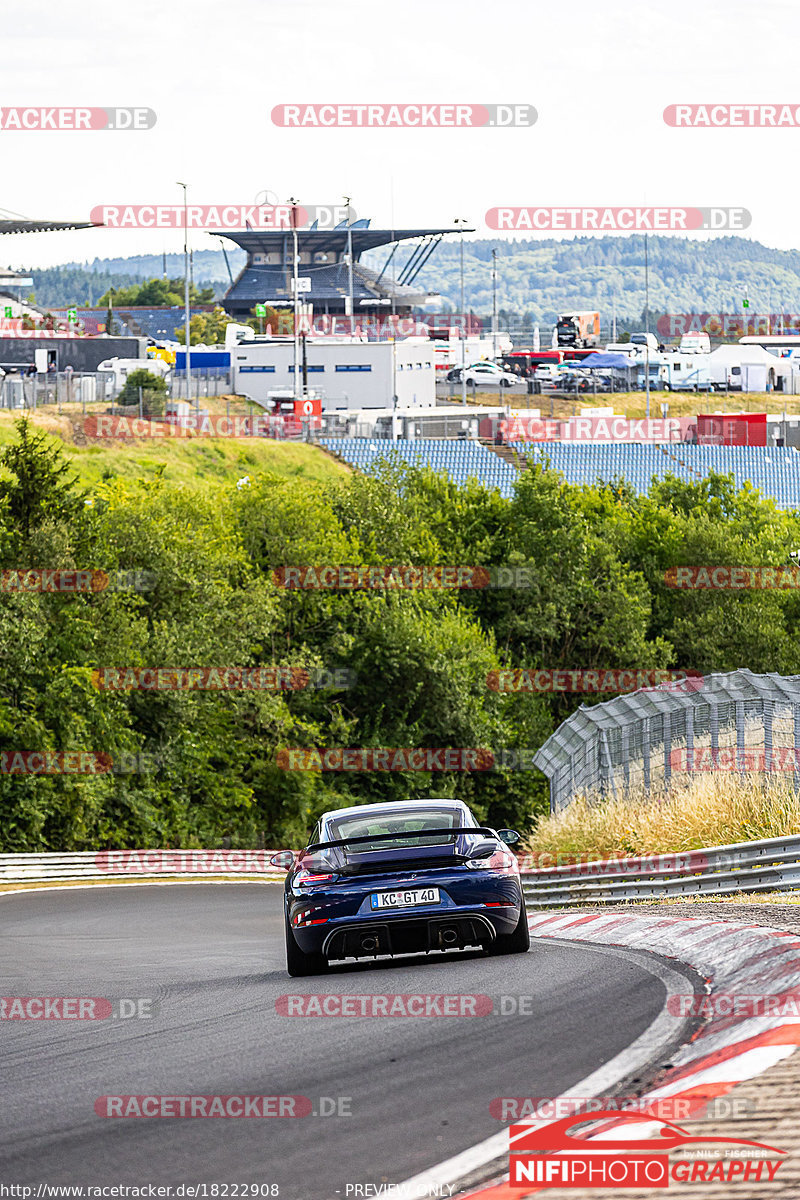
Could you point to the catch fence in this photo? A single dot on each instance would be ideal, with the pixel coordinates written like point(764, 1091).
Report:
point(658, 736)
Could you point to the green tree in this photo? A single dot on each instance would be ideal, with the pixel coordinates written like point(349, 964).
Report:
point(153, 392)
point(41, 486)
point(157, 293)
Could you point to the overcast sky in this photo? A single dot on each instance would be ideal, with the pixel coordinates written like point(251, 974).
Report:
point(599, 75)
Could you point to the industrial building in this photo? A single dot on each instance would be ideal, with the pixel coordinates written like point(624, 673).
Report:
point(349, 374)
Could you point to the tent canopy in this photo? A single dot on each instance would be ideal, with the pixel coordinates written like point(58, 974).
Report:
point(619, 361)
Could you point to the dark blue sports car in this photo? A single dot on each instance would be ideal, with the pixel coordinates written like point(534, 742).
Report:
point(405, 878)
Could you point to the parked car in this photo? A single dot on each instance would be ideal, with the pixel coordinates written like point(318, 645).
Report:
point(485, 374)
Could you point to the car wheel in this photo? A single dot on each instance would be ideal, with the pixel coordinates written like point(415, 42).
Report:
point(518, 942)
point(505, 383)
point(298, 963)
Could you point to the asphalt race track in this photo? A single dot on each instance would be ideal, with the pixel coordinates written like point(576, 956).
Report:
point(211, 956)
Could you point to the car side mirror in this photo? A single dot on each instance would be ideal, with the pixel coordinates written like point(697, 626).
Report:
point(284, 859)
point(509, 836)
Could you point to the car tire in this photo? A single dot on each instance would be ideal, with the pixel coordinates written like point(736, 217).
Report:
point(505, 383)
point(518, 942)
point(298, 963)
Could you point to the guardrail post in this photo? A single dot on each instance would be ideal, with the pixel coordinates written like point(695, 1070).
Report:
point(739, 736)
point(606, 769)
point(646, 751)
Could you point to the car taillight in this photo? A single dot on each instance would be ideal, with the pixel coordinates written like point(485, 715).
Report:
point(309, 877)
point(499, 861)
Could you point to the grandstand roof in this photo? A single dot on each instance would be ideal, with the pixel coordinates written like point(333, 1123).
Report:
point(321, 240)
point(23, 226)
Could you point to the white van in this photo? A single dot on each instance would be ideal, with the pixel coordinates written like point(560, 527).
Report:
point(695, 343)
point(121, 368)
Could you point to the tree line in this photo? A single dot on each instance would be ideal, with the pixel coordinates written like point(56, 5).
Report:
point(191, 585)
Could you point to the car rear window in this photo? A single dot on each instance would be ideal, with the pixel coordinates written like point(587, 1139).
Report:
point(400, 823)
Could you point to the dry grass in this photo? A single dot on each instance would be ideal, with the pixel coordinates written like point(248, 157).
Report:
point(633, 404)
point(709, 811)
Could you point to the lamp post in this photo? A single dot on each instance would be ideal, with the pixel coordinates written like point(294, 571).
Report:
point(187, 312)
point(646, 328)
point(293, 203)
point(350, 261)
point(462, 221)
point(494, 304)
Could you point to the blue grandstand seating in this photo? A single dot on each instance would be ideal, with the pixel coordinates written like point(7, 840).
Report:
point(328, 283)
point(461, 460)
point(774, 471)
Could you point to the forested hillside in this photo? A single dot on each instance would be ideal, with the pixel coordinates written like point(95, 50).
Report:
point(536, 278)
point(196, 767)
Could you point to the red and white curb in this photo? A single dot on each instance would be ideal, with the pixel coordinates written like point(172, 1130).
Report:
point(735, 959)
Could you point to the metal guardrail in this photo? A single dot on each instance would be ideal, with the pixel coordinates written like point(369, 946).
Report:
point(744, 867)
point(772, 865)
point(102, 866)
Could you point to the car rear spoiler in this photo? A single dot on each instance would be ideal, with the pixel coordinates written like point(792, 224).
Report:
point(392, 837)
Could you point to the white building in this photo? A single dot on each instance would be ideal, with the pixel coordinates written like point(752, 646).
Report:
point(349, 374)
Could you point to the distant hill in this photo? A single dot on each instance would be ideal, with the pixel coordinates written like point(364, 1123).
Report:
point(84, 283)
point(536, 279)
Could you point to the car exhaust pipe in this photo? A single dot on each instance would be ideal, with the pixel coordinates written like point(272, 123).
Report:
point(370, 944)
point(449, 937)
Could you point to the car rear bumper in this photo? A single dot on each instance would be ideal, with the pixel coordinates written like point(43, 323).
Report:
point(408, 935)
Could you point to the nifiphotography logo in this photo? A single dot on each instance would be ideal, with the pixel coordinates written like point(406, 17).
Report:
point(551, 1156)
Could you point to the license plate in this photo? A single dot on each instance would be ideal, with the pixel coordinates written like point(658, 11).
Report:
point(405, 899)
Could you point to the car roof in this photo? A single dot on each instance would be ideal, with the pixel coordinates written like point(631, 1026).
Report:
point(396, 806)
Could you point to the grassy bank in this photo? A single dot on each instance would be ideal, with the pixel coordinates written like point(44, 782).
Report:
point(188, 461)
point(711, 811)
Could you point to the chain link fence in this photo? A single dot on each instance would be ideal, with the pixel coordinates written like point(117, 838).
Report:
point(21, 391)
point(658, 736)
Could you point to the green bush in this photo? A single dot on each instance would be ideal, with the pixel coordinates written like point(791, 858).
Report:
point(153, 392)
